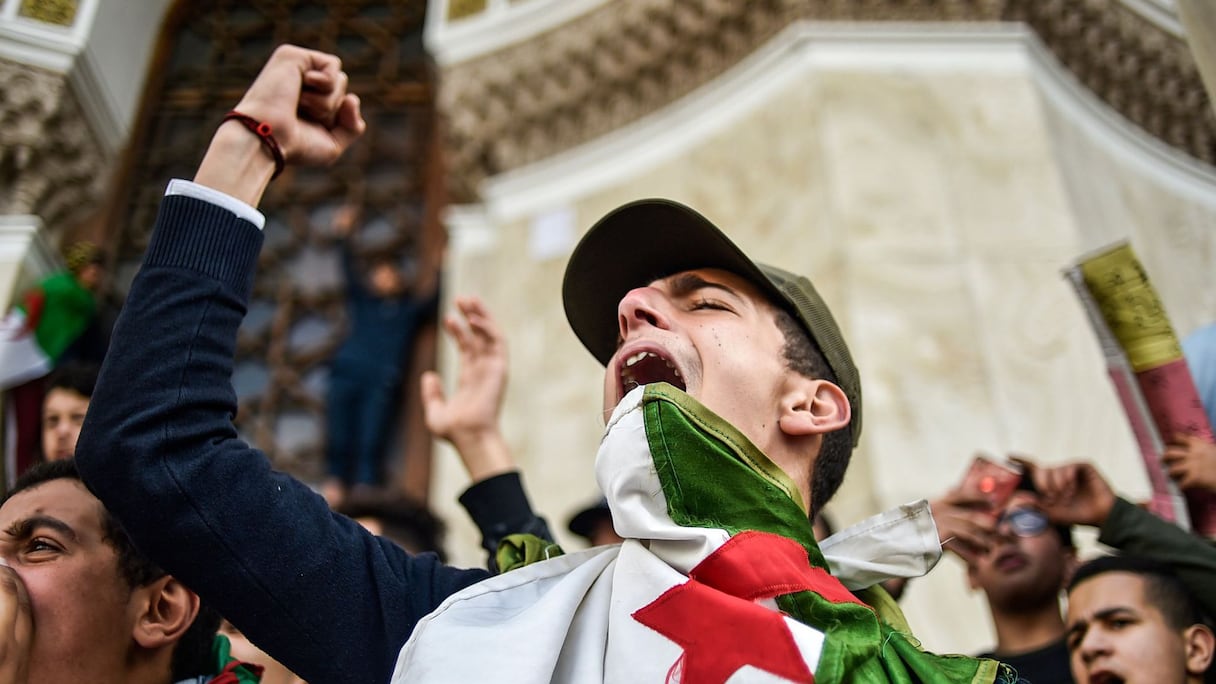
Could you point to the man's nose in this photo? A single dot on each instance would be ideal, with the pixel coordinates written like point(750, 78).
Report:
point(642, 307)
point(1004, 528)
point(1093, 645)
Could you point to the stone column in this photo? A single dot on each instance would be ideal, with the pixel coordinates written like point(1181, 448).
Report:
point(1199, 19)
point(51, 164)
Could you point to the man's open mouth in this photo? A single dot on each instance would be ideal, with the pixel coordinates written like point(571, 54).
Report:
point(1105, 677)
point(1011, 561)
point(645, 367)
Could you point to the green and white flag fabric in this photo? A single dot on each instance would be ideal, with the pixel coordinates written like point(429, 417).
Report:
point(719, 580)
point(38, 330)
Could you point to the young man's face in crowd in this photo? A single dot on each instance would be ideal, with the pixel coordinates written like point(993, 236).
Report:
point(1019, 569)
point(386, 280)
point(603, 533)
point(62, 415)
point(53, 538)
point(1115, 634)
point(708, 332)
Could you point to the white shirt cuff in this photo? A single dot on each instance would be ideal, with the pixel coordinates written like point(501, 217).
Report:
point(177, 186)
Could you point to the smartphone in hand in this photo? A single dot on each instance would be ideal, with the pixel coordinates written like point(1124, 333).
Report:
point(991, 481)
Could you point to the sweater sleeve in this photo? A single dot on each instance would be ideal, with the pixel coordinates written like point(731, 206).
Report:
point(1133, 530)
point(499, 507)
point(317, 592)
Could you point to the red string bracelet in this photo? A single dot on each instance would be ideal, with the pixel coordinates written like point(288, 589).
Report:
point(262, 130)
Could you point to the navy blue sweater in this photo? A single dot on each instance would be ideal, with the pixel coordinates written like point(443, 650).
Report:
point(327, 599)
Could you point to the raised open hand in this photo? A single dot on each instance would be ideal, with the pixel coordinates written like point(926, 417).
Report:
point(469, 417)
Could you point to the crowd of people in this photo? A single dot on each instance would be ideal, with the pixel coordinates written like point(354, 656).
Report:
point(153, 545)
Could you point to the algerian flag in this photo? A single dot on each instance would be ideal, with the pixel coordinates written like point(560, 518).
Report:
point(719, 580)
point(38, 330)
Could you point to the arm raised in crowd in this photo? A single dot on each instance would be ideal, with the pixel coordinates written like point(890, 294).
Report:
point(317, 592)
point(468, 419)
point(1078, 494)
point(301, 94)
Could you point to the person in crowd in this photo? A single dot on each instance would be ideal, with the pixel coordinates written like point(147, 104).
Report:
point(68, 390)
point(594, 523)
point(384, 311)
point(1018, 561)
point(500, 507)
point(398, 518)
point(79, 603)
point(35, 336)
point(1132, 620)
point(1022, 571)
point(739, 367)
point(468, 419)
point(1078, 494)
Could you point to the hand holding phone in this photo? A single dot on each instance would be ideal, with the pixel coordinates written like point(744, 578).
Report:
point(992, 482)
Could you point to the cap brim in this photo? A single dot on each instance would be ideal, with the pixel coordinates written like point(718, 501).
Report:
point(583, 523)
point(637, 244)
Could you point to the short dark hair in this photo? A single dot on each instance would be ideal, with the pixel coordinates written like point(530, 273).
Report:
point(195, 652)
point(136, 569)
point(78, 376)
point(192, 656)
point(405, 522)
point(1162, 586)
point(824, 521)
point(803, 357)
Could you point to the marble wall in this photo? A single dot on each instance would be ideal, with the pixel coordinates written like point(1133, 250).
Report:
point(932, 197)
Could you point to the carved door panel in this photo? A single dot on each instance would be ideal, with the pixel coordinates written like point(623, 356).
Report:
point(210, 51)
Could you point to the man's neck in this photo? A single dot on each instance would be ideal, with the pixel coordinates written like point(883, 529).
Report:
point(146, 667)
point(1026, 630)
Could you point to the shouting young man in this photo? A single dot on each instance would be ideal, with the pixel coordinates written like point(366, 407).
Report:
point(735, 407)
point(1132, 620)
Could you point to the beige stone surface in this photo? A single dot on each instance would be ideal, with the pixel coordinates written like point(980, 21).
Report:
point(934, 210)
point(1167, 213)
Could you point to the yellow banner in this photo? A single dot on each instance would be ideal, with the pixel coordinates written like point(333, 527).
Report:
point(1131, 307)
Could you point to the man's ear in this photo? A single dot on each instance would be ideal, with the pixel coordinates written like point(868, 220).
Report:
point(812, 407)
point(1200, 645)
point(166, 609)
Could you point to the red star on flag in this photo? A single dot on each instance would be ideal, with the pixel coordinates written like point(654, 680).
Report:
point(714, 618)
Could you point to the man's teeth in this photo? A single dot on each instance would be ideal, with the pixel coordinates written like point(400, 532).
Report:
point(634, 359)
point(629, 362)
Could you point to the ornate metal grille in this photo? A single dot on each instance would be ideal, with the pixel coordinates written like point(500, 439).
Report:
point(210, 52)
